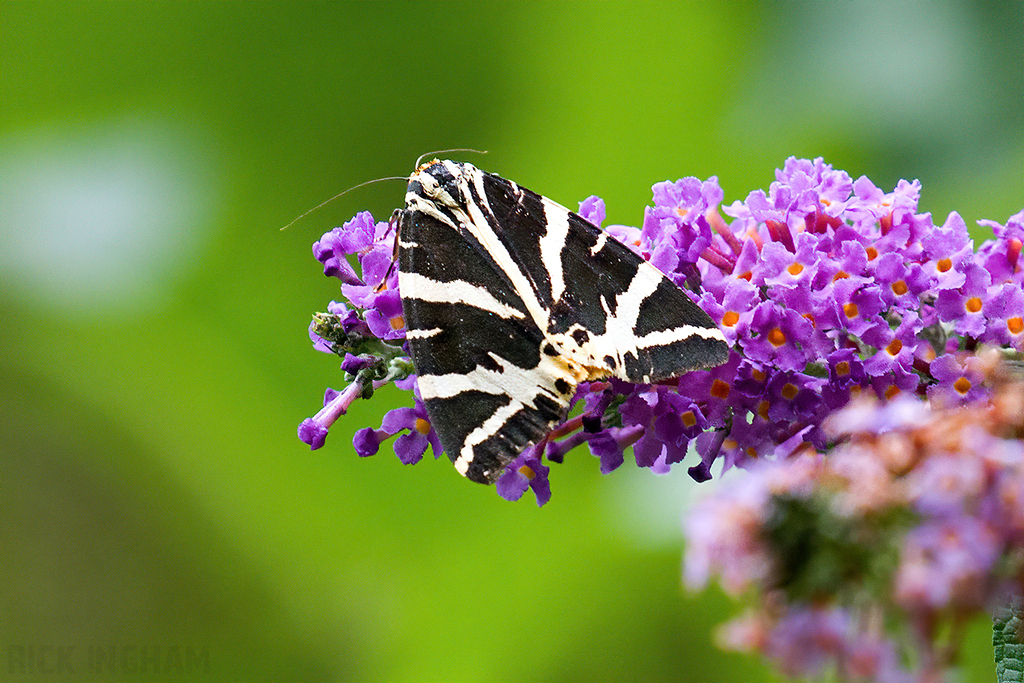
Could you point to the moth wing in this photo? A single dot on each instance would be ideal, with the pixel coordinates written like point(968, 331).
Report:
point(488, 389)
point(620, 312)
point(605, 307)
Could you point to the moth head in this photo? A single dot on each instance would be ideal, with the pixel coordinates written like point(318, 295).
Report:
point(440, 182)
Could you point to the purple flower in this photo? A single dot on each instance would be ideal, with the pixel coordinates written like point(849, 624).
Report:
point(677, 220)
point(410, 446)
point(948, 250)
point(862, 316)
point(319, 343)
point(894, 359)
point(525, 472)
point(592, 210)
point(749, 439)
point(353, 364)
point(945, 485)
point(794, 397)
point(627, 235)
point(945, 564)
point(313, 430)
point(1004, 315)
point(384, 315)
point(956, 382)
point(723, 537)
point(805, 641)
point(915, 519)
point(808, 640)
point(783, 270)
point(669, 421)
point(719, 392)
point(367, 441)
point(1001, 256)
point(778, 333)
point(964, 305)
point(869, 418)
point(354, 237)
point(813, 185)
point(379, 274)
point(845, 374)
point(313, 433)
point(609, 446)
point(902, 284)
point(1003, 505)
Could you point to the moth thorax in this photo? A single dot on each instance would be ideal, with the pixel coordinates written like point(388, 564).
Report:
point(573, 361)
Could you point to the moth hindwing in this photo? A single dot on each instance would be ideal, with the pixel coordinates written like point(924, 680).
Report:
point(510, 300)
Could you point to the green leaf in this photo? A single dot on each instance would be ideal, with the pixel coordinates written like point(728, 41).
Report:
point(1007, 642)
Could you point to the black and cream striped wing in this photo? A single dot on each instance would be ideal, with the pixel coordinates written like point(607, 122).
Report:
point(622, 313)
point(510, 300)
point(487, 388)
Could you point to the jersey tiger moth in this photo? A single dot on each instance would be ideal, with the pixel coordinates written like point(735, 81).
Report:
point(510, 300)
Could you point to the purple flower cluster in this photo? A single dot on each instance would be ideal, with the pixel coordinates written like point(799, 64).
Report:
point(895, 539)
point(826, 287)
point(368, 339)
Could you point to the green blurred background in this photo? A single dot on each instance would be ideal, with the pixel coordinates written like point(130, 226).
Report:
point(154, 358)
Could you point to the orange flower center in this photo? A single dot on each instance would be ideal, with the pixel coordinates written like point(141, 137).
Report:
point(720, 389)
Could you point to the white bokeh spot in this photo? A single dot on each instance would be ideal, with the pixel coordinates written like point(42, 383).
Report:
point(103, 220)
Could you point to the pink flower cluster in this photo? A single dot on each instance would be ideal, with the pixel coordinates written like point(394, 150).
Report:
point(909, 528)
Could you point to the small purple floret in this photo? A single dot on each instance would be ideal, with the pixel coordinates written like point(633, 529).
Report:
point(525, 472)
point(313, 433)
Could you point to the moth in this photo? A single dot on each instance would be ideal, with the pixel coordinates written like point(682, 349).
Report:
point(511, 300)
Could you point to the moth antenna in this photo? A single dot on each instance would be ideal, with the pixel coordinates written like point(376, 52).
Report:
point(394, 255)
point(354, 187)
point(446, 151)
